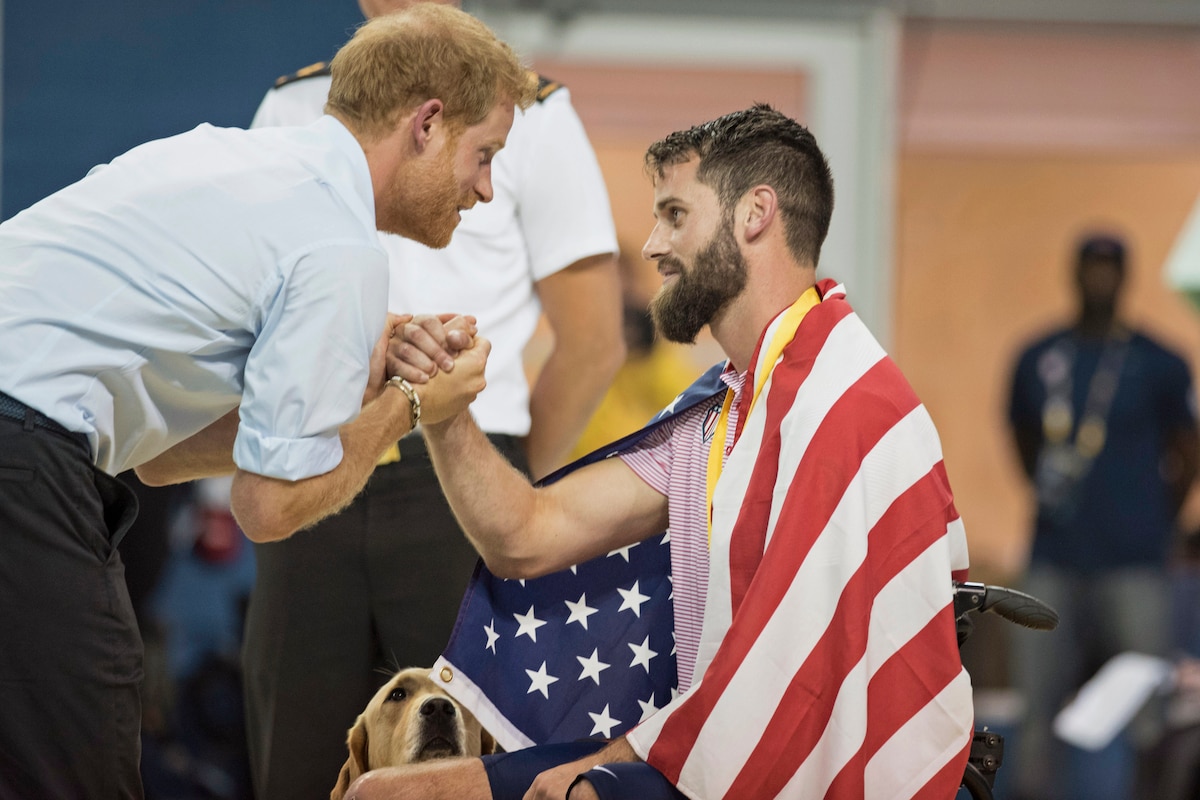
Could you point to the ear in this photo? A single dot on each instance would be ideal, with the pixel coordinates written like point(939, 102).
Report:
point(427, 119)
point(487, 744)
point(356, 763)
point(758, 208)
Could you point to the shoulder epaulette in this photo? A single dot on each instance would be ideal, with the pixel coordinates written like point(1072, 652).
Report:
point(546, 87)
point(311, 71)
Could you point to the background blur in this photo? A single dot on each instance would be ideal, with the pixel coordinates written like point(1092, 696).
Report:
point(970, 143)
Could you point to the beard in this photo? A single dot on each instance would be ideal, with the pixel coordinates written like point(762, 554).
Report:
point(698, 293)
point(424, 207)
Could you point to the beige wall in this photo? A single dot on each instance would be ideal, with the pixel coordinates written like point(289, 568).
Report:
point(1013, 139)
point(983, 253)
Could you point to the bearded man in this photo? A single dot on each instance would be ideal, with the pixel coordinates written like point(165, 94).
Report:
point(207, 304)
point(814, 537)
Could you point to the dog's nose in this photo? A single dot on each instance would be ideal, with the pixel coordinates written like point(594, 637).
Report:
point(437, 706)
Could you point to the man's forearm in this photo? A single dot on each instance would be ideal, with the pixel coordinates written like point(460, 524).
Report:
point(583, 306)
point(493, 502)
point(204, 454)
point(563, 400)
point(269, 509)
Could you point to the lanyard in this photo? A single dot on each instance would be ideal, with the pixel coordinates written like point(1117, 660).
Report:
point(789, 322)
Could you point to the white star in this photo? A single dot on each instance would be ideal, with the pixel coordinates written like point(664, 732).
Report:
point(604, 723)
point(580, 611)
point(642, 654)
point(490, 630)
point(528, 624)
point(671, 408)
point(633, 599)
point(623, 552)
point(540, 682)
point(592, 666)
point(666, 539)
point(648, 708)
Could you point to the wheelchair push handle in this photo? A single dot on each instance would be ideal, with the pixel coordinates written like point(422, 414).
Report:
point(1014, 606)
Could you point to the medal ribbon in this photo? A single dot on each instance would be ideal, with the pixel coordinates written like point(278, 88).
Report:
point(784, 333)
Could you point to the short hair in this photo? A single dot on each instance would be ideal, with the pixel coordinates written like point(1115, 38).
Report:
point(1100, 247)
point(752, 147)
point(397, 61)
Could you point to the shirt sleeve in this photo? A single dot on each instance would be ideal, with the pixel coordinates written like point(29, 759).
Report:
point(308, 368)
point(1177, 404)
point(562, 200)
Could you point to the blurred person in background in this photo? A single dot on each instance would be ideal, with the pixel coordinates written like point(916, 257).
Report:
point(378, 586)
point(1103, 419)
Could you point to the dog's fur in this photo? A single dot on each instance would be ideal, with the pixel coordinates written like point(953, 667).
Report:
point(410, 719)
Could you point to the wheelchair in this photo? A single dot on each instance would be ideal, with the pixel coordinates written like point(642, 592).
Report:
point(987, 747)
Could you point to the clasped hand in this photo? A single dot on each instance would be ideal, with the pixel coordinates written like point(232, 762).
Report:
point(440, 355)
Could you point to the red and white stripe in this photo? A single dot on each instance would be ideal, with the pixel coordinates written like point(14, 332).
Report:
point(829, 659)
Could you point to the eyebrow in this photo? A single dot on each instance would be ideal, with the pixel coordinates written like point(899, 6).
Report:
point(667, 201)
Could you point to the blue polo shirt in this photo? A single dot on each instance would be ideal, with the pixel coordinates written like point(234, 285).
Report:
point(213, 270)
point(1124, 516)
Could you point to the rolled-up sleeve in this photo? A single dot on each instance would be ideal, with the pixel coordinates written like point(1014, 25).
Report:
point(308, 368)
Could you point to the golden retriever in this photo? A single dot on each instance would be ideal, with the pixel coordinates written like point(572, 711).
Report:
point(410, 719)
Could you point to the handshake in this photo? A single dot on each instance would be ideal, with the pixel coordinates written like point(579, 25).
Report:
point(439, 354)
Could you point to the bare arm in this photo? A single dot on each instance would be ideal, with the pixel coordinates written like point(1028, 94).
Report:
point(554, 783)
point(210, 451)
point(204, 454)
point(582, 303)
point(523, 532)
point(268, 509)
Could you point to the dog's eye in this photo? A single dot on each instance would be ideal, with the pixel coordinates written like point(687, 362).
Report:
point(397, 694)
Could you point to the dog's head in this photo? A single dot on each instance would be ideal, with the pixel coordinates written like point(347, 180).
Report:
point(410, 719)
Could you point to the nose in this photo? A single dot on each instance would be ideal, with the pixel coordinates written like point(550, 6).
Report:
point(656, 246)
point(437, 707)
point(483, 186)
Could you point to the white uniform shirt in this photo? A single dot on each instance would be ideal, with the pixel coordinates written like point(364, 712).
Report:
point(194, 273)
point(550, 210)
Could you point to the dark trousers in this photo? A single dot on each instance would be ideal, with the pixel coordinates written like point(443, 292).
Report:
point(70, 654)
point(336, 608)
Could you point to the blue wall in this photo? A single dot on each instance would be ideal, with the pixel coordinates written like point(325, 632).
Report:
point(85, 81)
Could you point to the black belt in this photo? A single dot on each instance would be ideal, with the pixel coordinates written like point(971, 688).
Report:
point(12, 408)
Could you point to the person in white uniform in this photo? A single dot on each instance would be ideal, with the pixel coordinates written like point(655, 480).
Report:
point(214, 303)
point(378, 586)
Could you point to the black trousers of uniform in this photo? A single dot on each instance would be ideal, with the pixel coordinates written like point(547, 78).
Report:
point(337, 608)
point(70, 653)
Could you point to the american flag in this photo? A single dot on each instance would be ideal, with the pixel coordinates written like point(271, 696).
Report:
point(583, 653)
point(829, 656)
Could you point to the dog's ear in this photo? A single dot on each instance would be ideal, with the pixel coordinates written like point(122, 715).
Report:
point(356, 762)
point(487, 743)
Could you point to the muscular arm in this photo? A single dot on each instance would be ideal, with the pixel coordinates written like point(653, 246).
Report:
point(583, 307)
point(523, 532)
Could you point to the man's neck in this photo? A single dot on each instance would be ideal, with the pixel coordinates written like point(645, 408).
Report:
point(739, 326)
point(1097, 325)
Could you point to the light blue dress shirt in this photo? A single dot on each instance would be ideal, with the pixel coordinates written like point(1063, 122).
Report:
point(194, 274)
